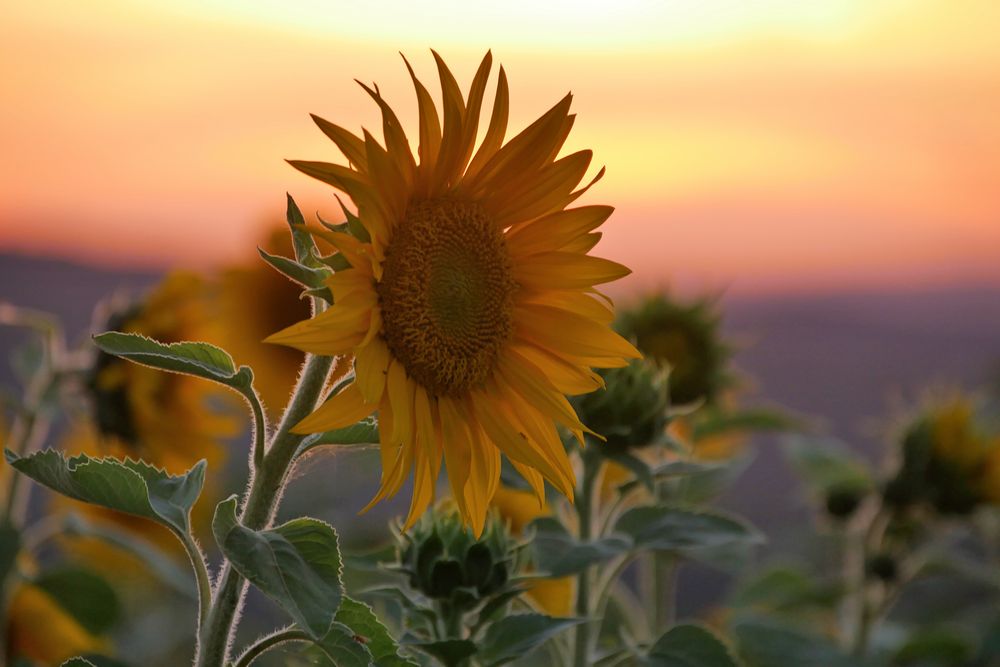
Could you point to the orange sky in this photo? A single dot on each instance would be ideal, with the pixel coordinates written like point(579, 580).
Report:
point(772, 145)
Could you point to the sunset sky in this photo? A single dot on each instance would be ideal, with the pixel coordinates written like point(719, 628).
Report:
point(775, 145)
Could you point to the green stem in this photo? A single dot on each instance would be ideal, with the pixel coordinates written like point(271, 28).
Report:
point(264, 490)
point(268, 642)
point(201, 575)
point(584, 510)
point(259, 427)
point(664, 579)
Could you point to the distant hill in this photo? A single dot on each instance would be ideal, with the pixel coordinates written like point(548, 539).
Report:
point(838, 358)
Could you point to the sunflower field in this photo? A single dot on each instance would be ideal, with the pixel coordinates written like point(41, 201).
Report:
point(415, 430)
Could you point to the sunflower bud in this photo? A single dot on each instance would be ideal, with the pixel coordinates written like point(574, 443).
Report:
point(684, 337)
point(444, 561)
point(632, 408)
point(843, 500)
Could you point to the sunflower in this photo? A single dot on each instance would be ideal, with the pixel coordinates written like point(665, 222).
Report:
point(469, 302)
point(39, 629)
point(165, 419)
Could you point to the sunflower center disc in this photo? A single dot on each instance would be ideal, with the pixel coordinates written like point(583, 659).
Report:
point(447, 295)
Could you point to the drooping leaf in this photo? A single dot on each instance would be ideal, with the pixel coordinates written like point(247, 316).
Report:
point(770, 644)
point(133, 487)
point(364, 432)
point(827, 464)
point(157, 561)
point(517, 635)
point(190, 358)
point(690, 646)
point(558, 554)
point(296, 564)
point(85, 595)
point(759, 419)
point(665, 528)
point(642, 471)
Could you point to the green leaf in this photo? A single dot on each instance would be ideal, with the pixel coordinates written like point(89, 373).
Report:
point(827, 464)
point(786, 589)
point(362, 621)
point(343, 647)
point(675, 469)
point(78, 662)
point(296, 564)
point(664, 528)
point(451, 652)
point(718, 423)
point(769, 644)
point(133, 487)
point(103, 661)
point(514, 636)
point(557, 553)
point(199, 359)
point(690, 646)
point(85, 595)
point(935, 647)
point(364, 432)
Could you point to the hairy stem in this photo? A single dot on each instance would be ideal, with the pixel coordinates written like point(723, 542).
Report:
point(268, 642)
point(584, 511)
point(264, 490)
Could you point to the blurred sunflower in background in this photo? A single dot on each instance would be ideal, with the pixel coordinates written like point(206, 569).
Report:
point(39, 629)
point(950, 459)
point(169, 420)
point(253, 301)
point(519, 508)
point(685, 337)
point(469, 301)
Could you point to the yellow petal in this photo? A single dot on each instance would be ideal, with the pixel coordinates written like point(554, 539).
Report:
point(575, 301)
point(457, 444)
point(495, 133)
point(344, 409)
point(428, 459)
point(430, 127)
point(555, 231)
point(547, 191)
point(395, 138)
point(561, 331)
point(350, 145)
point(534, 480)
point(565, 377)
point(372, 366)
point(567, 270)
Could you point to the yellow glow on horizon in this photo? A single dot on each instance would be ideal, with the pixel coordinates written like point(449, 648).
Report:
point(777, 136)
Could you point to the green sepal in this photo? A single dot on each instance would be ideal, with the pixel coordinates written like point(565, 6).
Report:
point(305, 247)
point(133, 487)
point(296, 564)
point(310, 278)
point(364, 432)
